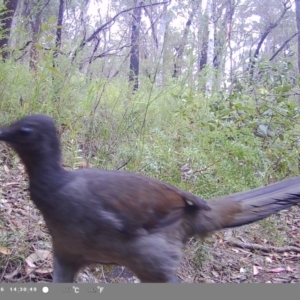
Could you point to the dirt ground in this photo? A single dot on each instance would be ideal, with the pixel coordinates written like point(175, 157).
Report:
point(264, 252)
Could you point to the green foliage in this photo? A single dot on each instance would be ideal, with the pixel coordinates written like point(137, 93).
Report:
point(236, 139)
point(230, 142)
point(209, 146)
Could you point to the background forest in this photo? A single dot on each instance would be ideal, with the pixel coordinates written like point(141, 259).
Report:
point(203, 94)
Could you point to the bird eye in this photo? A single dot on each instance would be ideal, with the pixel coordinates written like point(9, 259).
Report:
point(26, 130)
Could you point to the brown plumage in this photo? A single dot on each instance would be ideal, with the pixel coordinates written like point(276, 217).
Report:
point(114, 217)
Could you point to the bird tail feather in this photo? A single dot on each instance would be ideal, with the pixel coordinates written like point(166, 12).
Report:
point(246, 207)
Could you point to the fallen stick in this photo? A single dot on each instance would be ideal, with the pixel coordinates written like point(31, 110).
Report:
point(264, 248)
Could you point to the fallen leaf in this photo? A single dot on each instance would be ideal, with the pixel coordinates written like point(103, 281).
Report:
point(12, 274)
point(256, 240)
point(227, 234)
point(268, 259)
point(276, 270)
point(255, 270)
point(17, 223)
point(30, 271)
point(4, 250)
point(6, 169)
point(245, 260)
point(289, 269)
point(215, 273)
point(276, 257)
point(37, 256)
point(21, 168)
point(206, 281)
point(43, 271)
point(8, 209)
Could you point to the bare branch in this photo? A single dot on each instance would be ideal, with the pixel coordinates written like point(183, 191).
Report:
point(270, 27)
point(102, 27)
point(282, 46)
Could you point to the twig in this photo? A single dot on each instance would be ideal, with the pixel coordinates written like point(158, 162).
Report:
point(206, 168)
point(103, 275)
point(264, 248)
point(125, 163)
point(282, 46)
point(103, 26)
point(30, 272)
point(115, 279)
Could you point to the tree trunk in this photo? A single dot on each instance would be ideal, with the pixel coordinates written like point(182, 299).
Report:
point(180, 48)
point(163, 33)
point(6, 22)
point(134, 68)
point(210, 46)
point(297, 2)
point(222, 42)
point(36, 27)
point(59, 29)
point(264, 35)
point(203, 42)
point(35, 23)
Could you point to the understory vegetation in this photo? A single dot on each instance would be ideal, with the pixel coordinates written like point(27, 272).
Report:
point(210, 146)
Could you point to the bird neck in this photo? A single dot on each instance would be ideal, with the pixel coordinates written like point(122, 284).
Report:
point(43, 168)
point(46, 177)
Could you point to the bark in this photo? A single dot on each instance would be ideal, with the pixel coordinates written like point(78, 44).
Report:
point(6, 19)
point(164, 40)
point(180, 48)
point(35, 27)
point(59, 27)
point(222, 42)
point(210, 46)
point(265, 34)
point(134, 67)
point(284, 45)
point(297, 3)
point(106, 25)
point(35, 24)
point(203, 37)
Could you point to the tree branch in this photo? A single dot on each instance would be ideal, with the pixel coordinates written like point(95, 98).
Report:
point(270, 27)
point(102, 27)
point(283, 45)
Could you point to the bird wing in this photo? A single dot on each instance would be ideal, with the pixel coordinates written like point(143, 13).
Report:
point(136, 201)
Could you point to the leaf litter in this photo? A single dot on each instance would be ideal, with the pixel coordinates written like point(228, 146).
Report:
point(25, 246)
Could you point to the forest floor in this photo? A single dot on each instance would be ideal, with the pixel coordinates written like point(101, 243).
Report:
point(267, 251)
